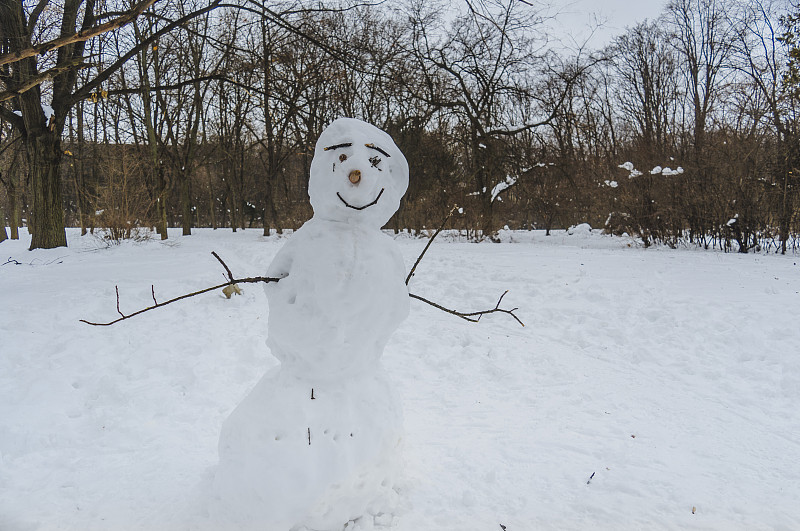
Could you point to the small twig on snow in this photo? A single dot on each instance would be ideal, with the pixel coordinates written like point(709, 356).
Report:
point(11, 261)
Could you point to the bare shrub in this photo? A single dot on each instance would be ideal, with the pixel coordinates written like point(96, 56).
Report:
point(123, 201)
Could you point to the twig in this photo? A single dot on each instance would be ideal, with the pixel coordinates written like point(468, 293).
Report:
point(472, 317)
point(119, 312)
point(230, 275)
point(11, 261)
point(435, 234)
point(248, 280)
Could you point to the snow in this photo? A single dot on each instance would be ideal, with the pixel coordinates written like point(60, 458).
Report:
point(633, 172)
point(582, 229)
point(666, 171)
point(669, 171)
point(502, 186)
point(671, 375)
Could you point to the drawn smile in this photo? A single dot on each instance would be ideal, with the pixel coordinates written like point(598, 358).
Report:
point(348, 205)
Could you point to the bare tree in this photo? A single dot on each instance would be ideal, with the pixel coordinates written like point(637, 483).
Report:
point(765, 57)
point(705, 40)
point(42, 50)
point(646, 71)
point(482, 64)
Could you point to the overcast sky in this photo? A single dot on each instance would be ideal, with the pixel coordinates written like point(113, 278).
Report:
point(577, 16)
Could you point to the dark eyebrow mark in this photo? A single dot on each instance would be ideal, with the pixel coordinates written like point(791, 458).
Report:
point(379, 150)
point(337, 146)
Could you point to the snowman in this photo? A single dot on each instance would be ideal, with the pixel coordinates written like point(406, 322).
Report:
point(316, 443)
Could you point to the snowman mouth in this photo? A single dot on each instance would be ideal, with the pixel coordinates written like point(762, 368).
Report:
point(348, 205)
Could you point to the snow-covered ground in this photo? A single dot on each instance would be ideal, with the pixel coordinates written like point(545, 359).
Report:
point(670, 378)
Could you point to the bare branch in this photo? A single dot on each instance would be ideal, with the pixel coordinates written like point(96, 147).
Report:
point(249, 280)
point(42, 77)
point(231, 281)
point(100, 78)
point(435, 234)
point(119, 312)
point(83, 35)
point(472, 317)
point(227, 269)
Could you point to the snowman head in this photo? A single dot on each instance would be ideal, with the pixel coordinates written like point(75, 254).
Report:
point(358, 175)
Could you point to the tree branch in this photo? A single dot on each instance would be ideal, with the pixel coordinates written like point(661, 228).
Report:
point(44, 76)
point(83, 35)
point(472, 317)
point(91, 85)
point(231, 281)
point(435, 234)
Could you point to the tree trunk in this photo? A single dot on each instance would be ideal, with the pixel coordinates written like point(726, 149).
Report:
point(46, 222)
point(488, 226)
point(186, 205)
point(161, 215)
point(786, 213)
point(80, 175)
point(14, 201)
point(270, 211)
point(3, 233)
point(212, 208)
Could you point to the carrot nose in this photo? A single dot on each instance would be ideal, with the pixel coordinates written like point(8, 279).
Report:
point(355, 176)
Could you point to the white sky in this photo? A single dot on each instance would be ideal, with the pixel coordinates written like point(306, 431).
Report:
point(577, 16)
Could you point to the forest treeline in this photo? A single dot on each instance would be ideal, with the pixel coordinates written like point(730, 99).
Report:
point(126, 117)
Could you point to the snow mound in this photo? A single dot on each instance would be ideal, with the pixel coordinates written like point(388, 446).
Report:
point(582, 229)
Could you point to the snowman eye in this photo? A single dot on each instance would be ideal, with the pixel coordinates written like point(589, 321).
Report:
point(342, 157)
